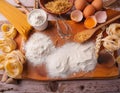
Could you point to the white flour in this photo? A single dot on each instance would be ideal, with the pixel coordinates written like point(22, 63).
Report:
point(38, 47)
point(62, 61)
point(36, 19)
point(57, 63)
point(70, 58)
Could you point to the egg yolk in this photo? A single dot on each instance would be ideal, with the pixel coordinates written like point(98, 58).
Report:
point(90, 22)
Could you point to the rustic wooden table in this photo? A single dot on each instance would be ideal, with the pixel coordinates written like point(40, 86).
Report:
point(75, 86)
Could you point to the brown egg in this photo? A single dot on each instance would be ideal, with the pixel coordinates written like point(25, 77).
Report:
point(88, 11)
point(80, 4)
point(98, 4)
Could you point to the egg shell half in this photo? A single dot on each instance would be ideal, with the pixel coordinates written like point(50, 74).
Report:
point(101, 16)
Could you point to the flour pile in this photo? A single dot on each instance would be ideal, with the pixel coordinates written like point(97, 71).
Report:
point(71, 58)
point(62, 61)
point(38, 47)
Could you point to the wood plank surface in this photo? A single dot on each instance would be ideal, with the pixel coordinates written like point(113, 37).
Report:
point(75, 86)
point(81, 86)
point(100, 71)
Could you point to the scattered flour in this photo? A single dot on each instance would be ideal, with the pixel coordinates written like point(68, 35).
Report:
point(70, 58)
point(61, 61)
point(38, 47)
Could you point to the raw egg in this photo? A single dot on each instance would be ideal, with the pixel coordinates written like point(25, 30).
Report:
point(90, 22)
point(80, 4)
point(88, 11)
point(98, 4)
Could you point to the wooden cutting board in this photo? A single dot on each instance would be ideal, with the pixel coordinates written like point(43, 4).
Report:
point(39, 72)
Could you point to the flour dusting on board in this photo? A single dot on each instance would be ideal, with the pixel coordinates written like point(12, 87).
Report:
point(62, 61)
point(71, 58)
point(38, 47)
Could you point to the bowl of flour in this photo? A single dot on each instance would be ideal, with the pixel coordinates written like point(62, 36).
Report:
point(38, 19)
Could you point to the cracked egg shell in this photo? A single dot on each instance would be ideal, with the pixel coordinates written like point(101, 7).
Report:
point(101, 16)
point(76, 15)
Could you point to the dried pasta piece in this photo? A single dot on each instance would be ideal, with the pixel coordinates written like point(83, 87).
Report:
point(2, 61)
point(9, 31)
point(58, 6)
point(7, 45)
point(111, 43)
point(13, 68)
point(14, 63)
point(113, 29)
point(19, 55)
point(16, 17)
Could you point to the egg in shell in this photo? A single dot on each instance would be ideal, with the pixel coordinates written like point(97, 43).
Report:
point(98, 4)
point(80, 4)
point(88, 11)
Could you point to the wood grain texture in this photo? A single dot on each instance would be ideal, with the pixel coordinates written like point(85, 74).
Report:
point(28, 3)
point(100, 71)
point(81, 86)
point(76, 86)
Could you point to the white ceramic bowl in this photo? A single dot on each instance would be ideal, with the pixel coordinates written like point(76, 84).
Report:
point(38, 18)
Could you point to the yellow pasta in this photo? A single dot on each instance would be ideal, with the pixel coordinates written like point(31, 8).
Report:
point(58, 6)
point(7, 45)
point(16, 18)
point(2, 61)
point(9, 31)
point(14, 63)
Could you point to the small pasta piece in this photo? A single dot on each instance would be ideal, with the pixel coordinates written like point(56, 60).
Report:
point(58, 6)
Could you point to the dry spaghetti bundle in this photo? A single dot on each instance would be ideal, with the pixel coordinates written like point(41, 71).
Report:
point(15, 17)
